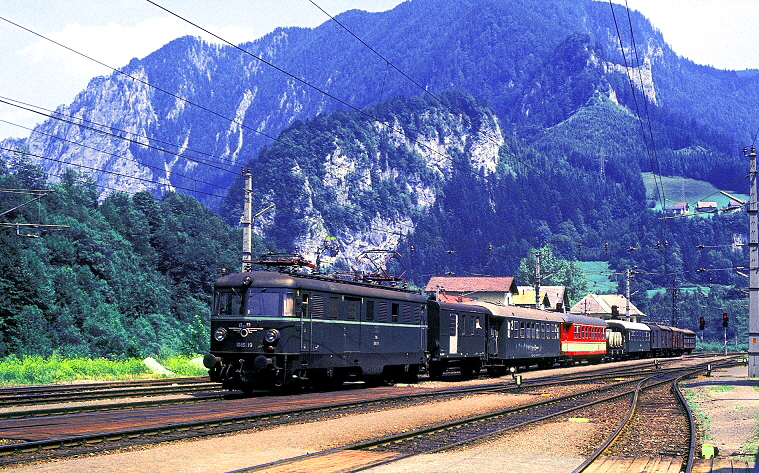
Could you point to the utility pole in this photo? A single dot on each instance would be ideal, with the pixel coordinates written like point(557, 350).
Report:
point(247, 222)
point(753, 249)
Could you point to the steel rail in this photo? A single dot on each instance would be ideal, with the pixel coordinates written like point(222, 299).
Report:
point(610, 440)
point(691, 426)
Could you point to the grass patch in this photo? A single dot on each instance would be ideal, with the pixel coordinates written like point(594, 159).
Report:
point(597, 273)
point(182, 366)
point(751, 447)
point(721, 389)
point(703, 423)
point(678, 189)
point(33, 370)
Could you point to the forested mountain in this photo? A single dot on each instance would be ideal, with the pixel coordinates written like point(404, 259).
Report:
point(525, 126)
point(209, 109)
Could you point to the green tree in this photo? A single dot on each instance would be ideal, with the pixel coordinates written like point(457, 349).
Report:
point(554, 272)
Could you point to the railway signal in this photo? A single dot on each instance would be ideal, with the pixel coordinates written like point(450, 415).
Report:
point(701, 323)
point(725, 319)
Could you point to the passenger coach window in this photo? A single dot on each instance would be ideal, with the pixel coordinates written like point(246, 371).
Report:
point(263, 303)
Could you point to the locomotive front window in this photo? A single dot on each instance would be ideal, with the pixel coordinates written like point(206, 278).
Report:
point(263, 303)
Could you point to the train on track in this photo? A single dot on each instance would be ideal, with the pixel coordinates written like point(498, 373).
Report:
point(272, 329)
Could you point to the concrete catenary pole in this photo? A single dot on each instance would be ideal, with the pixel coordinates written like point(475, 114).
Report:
point(247, 222)
point(537, 280)
point(753, 297)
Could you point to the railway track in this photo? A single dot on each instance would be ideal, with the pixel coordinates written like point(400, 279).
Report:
point(55, 394)
point(32, 439)
point(77, 395)
point(26, 440)
point(452, 435)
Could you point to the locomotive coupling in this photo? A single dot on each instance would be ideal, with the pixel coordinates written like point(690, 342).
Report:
point(261, 362)
point(210, 361)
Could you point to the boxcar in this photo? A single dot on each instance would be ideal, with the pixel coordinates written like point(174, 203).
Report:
point(661, 340)
point(636, 337)
point(270, 329)
point(582, 338)
point(521, 337)
point(689, 341)
point(684, 341)
point(456, 337)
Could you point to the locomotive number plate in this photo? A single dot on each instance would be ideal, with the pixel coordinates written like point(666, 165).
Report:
point(245, 345)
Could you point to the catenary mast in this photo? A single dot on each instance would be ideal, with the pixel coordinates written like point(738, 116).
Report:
point(753, 297)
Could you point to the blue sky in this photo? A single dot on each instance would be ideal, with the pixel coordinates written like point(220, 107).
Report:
point(720, 33)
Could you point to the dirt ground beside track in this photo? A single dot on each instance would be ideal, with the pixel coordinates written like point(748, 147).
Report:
point(726, 405)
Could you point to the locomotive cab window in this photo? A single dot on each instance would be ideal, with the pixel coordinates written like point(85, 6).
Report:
point(228, 303)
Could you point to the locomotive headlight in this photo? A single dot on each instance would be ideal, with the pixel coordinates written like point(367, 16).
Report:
point(271, 335)
point(220, 334)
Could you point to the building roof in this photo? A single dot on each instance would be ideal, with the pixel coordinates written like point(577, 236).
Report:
point(472, 284)
point(601, 304)
point(450, 298)
point(555, 294)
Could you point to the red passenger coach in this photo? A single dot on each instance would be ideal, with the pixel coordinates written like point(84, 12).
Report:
point(582, 338)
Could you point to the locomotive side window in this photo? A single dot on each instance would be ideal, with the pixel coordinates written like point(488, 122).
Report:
point(394, 311)
point(352, 307)
point(452, 325)
point(369, 311)
point(462, 325)
point(521, 330)
point(263, 303)
point(334, 307)
point(288, 305)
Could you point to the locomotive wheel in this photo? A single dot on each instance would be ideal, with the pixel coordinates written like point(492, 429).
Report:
point(436, 371)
